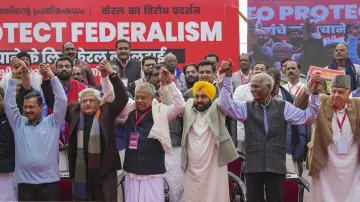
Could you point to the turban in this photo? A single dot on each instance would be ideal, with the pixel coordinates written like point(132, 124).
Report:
point(208, 88)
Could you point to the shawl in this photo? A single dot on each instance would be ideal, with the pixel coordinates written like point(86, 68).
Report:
point(90, 172)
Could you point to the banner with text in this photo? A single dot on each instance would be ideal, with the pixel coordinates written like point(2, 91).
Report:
point(297, 23)
point(189, 29)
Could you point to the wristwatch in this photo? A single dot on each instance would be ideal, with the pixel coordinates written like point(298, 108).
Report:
point(113, 74)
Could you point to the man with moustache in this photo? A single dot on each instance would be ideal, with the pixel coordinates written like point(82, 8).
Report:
point(284, 78)
point(77, 74)
point(206, 72)
point(68, 50)
point(191, 76)
point(146, 63)
point(295, 38)
point(243, 76)
point(293, 73)
point(212, 57)
point(170, 62)
point(243, 93)
point(72, 88)
point(129, 69)
point(342, 63)
point(266, 122)
point(207, 147)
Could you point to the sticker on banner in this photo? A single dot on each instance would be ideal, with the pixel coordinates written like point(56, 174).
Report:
point(134, 139)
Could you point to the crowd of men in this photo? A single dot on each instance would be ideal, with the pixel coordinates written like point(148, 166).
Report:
point(156, 122)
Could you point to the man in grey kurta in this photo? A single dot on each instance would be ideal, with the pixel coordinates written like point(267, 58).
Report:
point(265, 121)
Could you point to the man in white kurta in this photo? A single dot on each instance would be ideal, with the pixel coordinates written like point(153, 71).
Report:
point(336, 175)
point(144, 164)
point(205, 178)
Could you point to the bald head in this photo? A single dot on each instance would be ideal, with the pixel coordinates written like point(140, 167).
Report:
point(341, 53)
point(170, 62)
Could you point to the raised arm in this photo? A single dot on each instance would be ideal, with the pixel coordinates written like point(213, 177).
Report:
point(297, 116)
point(60, 103)
point(234, 109)
point(121, 96)
point(108, 90)
point(10, 106)
point(89, 75)
point(178, 102)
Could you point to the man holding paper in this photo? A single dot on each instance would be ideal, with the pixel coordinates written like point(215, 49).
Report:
point(333, 157)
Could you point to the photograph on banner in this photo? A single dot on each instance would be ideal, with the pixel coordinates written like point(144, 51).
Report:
point(188, 29)
point(305, 30)
point(326, 74)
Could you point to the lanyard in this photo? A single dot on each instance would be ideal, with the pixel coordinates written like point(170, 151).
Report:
point(343, 119)
point(141, 117)
point(297, 90)
point(242, 78)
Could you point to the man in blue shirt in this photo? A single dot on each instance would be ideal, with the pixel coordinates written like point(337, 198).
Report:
point(36, 138)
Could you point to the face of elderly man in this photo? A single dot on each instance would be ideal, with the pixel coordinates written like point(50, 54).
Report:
point(339, 96)
point(143, 98)
point(89, 103)
point(260, 90)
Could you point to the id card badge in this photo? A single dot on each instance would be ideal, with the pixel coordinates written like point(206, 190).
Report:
point(342, 146)
point(134, 139)
point(125, 81)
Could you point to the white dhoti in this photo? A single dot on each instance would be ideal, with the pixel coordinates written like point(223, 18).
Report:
point(174, 175)
point(119, 172)
point(339, 180)
point(7, 187)
point(144, 188)
point(204, 179)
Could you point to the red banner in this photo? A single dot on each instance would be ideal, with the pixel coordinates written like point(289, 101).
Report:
point(189, 29)
point(332, 15)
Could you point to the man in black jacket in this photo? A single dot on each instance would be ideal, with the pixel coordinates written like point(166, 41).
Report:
point(129, 69)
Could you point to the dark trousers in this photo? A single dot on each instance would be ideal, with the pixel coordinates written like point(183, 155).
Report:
point(274, 186)
point(106, 191)
point(38, 192)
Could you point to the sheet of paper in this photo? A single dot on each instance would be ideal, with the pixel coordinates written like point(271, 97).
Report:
point(63, 161)
point(125, 81)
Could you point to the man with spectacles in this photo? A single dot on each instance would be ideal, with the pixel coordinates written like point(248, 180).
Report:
point(243, 93)
point(92, 153)
point(266, 122)
point(146, 64)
